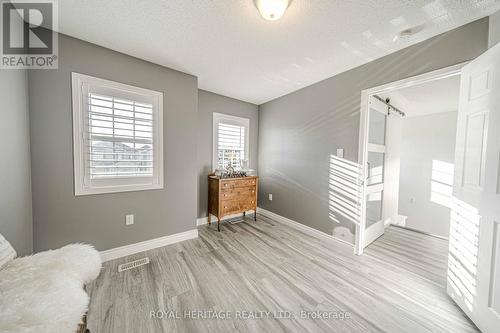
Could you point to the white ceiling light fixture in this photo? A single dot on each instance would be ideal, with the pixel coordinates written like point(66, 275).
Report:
point(272, 10)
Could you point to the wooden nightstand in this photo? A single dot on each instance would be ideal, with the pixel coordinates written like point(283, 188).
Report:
point(227, 196)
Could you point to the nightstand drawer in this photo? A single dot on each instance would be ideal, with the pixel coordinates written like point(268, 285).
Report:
point(248, 205)
point(238, 192)
point(231, 184)
point(228, 207)
point(237, 206)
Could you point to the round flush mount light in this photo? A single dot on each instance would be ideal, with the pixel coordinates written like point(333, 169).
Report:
point(272, 10)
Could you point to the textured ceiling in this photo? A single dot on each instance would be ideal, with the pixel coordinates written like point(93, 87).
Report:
point(234, 52)
point(428, 98)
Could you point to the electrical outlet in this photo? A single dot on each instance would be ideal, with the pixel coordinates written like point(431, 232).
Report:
point(129, 219)
point(270, 197)
point(340, 153)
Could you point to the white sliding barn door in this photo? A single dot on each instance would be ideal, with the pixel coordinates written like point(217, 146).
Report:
point(374, 155)
point(474, 259)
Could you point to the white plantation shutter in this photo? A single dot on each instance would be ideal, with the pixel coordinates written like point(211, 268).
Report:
point(231, 145)
point(230, 141)
point(117, 136)
point(120, 137)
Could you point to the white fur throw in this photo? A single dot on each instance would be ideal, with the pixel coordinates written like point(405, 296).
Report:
point(44, 292)
point(7, 252)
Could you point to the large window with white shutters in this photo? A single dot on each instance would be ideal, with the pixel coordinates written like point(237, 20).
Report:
point(230, 141)
point(117, 136)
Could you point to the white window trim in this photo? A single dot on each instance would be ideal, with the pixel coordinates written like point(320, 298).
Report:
point(228, 119)
point(114, 185)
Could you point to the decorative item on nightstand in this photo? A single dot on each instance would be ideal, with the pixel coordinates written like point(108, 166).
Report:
point(231, 195)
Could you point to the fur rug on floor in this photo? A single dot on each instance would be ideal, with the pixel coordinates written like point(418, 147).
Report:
point(44, 292)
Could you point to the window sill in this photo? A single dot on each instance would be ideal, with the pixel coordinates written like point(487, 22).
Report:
point(117, 189)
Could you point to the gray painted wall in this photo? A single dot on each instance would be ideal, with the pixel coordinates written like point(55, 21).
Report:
point(208, 103)
point(58, 216)
point(299, 132)
point(494, 29)
point(426, 139)
point(15, 195)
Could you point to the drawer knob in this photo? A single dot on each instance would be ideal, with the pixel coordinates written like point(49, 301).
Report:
point(225, 195)
point(225, 206)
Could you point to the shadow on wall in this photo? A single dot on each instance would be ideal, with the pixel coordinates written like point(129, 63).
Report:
point(442, 183)
point(344, 196)
point(462, 257)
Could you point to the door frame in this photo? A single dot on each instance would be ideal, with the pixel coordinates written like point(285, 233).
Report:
point(364, 126)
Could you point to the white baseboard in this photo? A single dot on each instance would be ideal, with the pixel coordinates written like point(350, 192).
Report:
point(299, 226)
point(127, 250)
point(204, 220)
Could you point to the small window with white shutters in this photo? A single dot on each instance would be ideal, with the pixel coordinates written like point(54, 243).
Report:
point(230, 141)
point(117, 136)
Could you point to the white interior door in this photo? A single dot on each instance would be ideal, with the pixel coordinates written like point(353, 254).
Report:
point(474, 260)
point(372, 224)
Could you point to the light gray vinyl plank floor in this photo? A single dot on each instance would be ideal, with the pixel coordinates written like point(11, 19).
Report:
point(397, 286)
